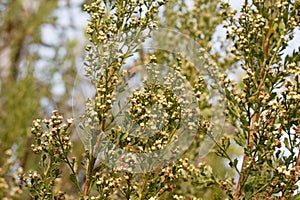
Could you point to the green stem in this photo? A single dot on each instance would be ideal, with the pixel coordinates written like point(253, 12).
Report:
point(66, 160)
point(226, 155)
point(142, 189)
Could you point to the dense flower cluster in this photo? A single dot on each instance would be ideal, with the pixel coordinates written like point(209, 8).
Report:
point(55, 139)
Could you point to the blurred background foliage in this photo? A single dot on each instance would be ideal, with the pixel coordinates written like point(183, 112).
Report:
point(40, 52)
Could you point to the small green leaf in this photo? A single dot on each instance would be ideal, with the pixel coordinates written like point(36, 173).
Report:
point(124, 136)
point(44, 158)
point(281, 25)
point(235, 162)
point(73, 178)
point(55, 172)
point(287, 144)
point(81, 127)
point(275, 26)
point(75, 166)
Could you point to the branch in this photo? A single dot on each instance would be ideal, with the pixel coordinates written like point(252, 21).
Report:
point(91, 164)
point(26, 152)
point(255, 117)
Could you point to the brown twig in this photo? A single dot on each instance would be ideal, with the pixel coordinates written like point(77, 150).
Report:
point(87, 184)
point(297, 165)
point(242, 177)
point(298, 162)
point(26, 153)
point(255, 117)
point(91, 164)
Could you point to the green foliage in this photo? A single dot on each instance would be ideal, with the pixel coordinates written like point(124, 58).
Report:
point(12, 119)
point(262, 111)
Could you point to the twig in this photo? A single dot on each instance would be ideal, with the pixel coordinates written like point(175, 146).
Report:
point(91, 164)
point(87, 184)
point(254, 119)
point(26, 153)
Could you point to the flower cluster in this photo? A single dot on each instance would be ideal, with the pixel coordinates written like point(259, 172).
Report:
point(41, 188)
point(54, 139)
point(108, 24)
point(160, 118)
point(52, 142)
point(106, 185)
point(252, 27)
